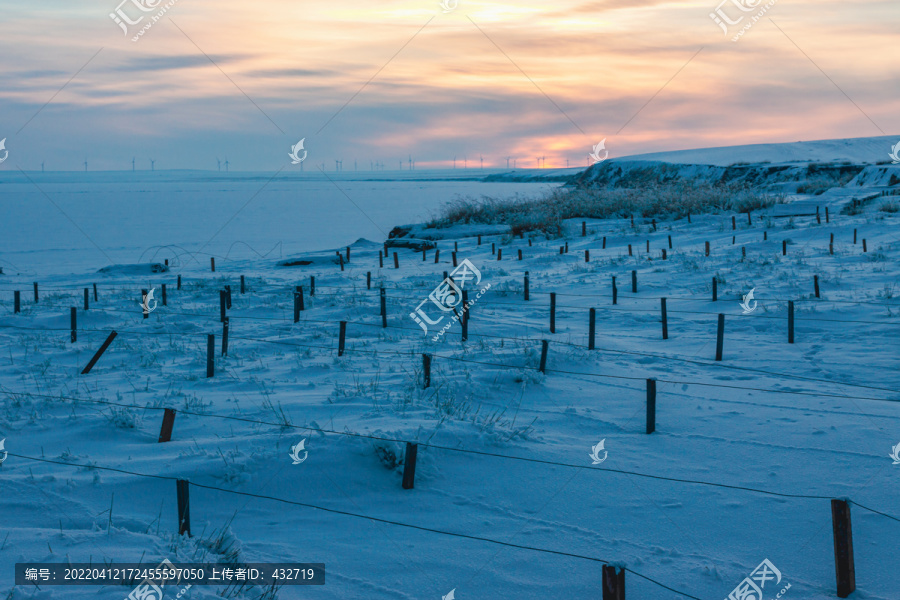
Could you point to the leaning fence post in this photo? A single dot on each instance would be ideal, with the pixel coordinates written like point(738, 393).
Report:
point(383, 309)
point(342, 338)
point(99, 353)
point(526, 285)
point(715, 290)
point(17, 302)
point(210, 355)
point(426, 371)
point(720, 336)
point(165, 432)
point(544, 345)
point(184, 507)
point(453, 256)
point(225, 337)
point(651, 405)
point(552, 312)
point(670, 242)
point(592, 328)
point(790, 321)
point(844, 569)
point(409, 466)
point(634, 282)
point(95, 292)
point(73, 318)
point(665, 320)
point(864, 250)
point(613, 582)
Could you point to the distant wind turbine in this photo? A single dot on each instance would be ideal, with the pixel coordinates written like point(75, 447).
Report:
point(152, 165)
point(85, 165)
point(219, 163)
point(226, 164)
point(132, 163)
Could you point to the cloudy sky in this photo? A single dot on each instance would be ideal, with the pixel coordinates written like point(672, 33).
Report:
point(379, 81)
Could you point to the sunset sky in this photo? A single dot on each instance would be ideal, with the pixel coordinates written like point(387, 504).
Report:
point(524, 80)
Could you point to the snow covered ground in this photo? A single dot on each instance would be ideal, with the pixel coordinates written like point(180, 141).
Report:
point(746, 454)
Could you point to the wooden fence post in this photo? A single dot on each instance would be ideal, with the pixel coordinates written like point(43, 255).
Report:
point(529, 242)
point(312, 286)
point(629, 250)
point(715, 290)
point(341, 260)
point(479, 240)
point(583, 228)
point(299, 290)
point(615, 290)
point(664, 254)
point(784, 247)
point(17, 302)
point(689, 217)
point(720, 336)
point(396, 261)
point(552, 312)
point(210, 355)
point(165, 432)
point(164, 299)
point(465, 323)
point(342, 338)
point(648, 246)
point(613, 583)
point(86, 303)
point(765, 235)
point(749, 218)
point(743, 252)
point(733, 223)
point(243, 285)
point(707, 248)
point(592, 328)
point(409, 466)
point(380, 260)
point(816, 284)
point(634, 282)
point(296, 307)
point(183, 487)
point(493, 248)
point(520, 254)
point(864, 245)
point(212, 263)
point(651, 405)
point(670, 242)
point(453, 257)
point(562, 250)
point(99, 353)
point(818, 217)
point(854, 235)
point(499, 253)
point(827, 219)
point(73, 318)
point(228, 297)
point(424, 254)
point(426, 371)
point(95, 292)
point(665, 320)
point(225, 336)
point(844, 569)
point(178, 285)
point(36, 287)
point(544, 345)
point(348, 255)
point(368, 280)
point(604, 242)
point(790, 321)
point(222, 306)
point(383, 310)
point(526, 285)
point(437, 255)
